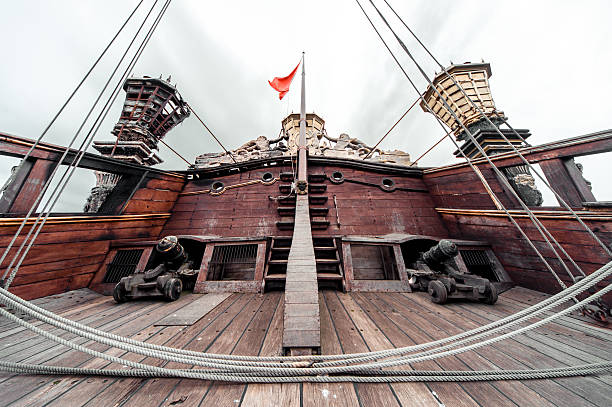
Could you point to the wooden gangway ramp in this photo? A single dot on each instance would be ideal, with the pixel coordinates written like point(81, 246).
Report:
point(301, 328)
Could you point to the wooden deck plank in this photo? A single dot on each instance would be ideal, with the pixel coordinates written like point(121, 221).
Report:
point(401, 332)
point(133, 325)
point(352, 342)
point(58, 303)
point(329, 394)
point(192, 312)
point(349, 323)
point(571, 330)
point(373, 332)
point(17, 386)
point(508, 355)
point(540, 355)
point(196, 337)
point(247, 339)
point(285, 394)
point(563, 337)
point(526, 297)
point(431, 323)
point(25, 340)
point(40, 347)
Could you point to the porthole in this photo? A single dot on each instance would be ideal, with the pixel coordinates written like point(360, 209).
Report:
point(337, 177)
point(388, 184)
point(217, 186)
point(267, 177)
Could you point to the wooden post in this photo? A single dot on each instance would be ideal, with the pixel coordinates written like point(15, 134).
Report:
point(565, 178)
point(26, 185)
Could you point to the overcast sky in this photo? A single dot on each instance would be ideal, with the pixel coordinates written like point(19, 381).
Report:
point(550, 61)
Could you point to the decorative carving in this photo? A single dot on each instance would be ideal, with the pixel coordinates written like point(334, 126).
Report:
point(319, 143)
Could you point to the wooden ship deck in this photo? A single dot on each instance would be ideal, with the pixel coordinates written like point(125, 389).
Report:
point(251, 324)
point(304, 246)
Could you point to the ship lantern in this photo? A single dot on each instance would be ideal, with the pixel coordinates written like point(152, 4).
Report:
point(474, 80)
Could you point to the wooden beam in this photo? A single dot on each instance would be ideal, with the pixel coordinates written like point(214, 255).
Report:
point(32, 186)
point(558, 177)
point(15, 184)
point(594, 143)
point(18, 147)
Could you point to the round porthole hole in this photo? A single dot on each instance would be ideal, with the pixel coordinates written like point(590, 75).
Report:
point(388, 184)
point(337, 177)
point(217, 186)
point(267, 177)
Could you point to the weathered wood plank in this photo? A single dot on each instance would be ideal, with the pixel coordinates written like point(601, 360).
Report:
point(196, 309)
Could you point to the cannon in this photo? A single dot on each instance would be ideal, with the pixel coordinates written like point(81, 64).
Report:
point(436, 273)
point(167, 279)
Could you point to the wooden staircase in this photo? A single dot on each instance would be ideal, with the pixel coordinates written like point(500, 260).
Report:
point(317, 202)
point(329, 263)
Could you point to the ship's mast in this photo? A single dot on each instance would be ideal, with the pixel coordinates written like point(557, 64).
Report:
point(302, 182)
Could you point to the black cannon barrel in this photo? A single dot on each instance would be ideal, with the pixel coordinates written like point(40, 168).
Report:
point(171, 250)
point(444, 250)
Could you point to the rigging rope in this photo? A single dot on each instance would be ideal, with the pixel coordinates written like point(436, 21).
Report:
point(212, 134)
point(431, 148)
point(469, 161)
point(539, 226)
point(81, 152)
point(31, 149)
point(243, 373)
point(237, 368)
point(392, 127)
point(525, 161)
point(145, 348)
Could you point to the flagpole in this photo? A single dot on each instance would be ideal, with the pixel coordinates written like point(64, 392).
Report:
point(302, 181)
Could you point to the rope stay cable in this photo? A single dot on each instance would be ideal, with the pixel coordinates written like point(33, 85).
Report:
point(539, 226)
point(469, 161)
point(75, 90)
point(513, 147)
point(481, 112)
point(212, 134)
point(53, 120)
point(175, 152)
point(430, 148)
point(84, 145)
point(392, 127)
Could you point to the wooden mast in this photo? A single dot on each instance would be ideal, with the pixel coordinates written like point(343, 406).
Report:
point(302, 181)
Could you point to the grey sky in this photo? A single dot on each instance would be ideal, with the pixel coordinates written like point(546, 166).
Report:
point(550, 62)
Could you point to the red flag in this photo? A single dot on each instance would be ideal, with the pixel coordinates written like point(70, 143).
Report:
point(281, 85)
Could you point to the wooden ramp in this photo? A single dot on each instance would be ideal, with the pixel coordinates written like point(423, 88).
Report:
point(301, 331)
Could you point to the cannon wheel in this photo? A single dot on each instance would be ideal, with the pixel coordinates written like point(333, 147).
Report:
point(119, 293)
point(172, 289)
point(490, 294)
point(437, 291)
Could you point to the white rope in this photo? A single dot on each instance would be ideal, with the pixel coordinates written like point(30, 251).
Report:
point(267, 371)
point(30, 309)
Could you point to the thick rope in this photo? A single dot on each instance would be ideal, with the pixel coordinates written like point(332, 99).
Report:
point(563, 202)
point(48, 182)
point(58, 321)
point(84, 145)
point(267, 371)
point(385, 376)
point(469, 161)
